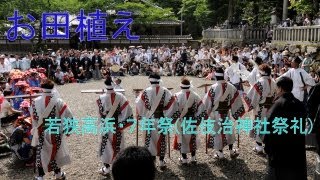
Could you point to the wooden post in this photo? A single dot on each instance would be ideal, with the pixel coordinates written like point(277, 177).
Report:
point(238, 140)
point(169, 145)
point(137, 133)
point(206, 141)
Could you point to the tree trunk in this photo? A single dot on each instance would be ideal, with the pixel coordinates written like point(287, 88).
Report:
point(285, 10)
point(316, 6)
point(230, 10)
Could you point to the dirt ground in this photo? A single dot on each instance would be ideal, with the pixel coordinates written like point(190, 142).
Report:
point(83, 148)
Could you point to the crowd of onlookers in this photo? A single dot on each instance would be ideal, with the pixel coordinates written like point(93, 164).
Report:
point(301, 20)
point(67, 66)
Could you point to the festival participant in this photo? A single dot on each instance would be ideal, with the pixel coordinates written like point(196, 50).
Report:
point(221, 98)
point(286, 151)
point(235, 73)
point(33, 80)
point(51, 150)
point(302, 81)
point(190, 107)
point(156, 102)
point(259, 99)
point(254, 74)
point(20, 89)
point(112, 105)
point(117, 83)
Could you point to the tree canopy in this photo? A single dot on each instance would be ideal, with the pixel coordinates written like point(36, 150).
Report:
point(196, 14)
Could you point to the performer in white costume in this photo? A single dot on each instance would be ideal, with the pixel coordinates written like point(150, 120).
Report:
point(259, 99)
point(190, 107)
point(51, 150)
point(221, 98)
point(254, 74)
point(156, 102)
point(113, 108)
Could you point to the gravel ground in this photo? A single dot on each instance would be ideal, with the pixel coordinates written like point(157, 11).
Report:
point(83, 148)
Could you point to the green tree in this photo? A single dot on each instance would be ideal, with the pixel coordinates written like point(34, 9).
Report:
point(302, 6)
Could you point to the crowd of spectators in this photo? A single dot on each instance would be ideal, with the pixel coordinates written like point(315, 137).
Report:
point(69, 66)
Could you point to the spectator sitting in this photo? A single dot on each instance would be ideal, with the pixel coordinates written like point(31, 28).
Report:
point(81, 75)
point(157, 68)
point(188, 70)
point(20, 140)
point(59, 77)
point(69, 76)
point(137, 162)
point(125, 68)
point(134, 70)
point(104, 72)
point(8, 113)
point(166, 70)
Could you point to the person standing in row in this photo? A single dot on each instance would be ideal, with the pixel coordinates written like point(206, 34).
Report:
point(220, 99)
point(113, 108)
point(154, 103)
point(51, 150)
point(190, 107)
point(259, 99)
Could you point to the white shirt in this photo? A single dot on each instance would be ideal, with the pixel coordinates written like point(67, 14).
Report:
point(276, 57)
point(294, 74)
point(4, 68)
point(233, 72)
point(59, 75)
point(25, 64)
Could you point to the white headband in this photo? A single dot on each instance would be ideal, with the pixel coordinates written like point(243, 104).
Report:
point(46, 90)
point(109, 87)
point(154, 80)
point(185, 86)
point(219, 74)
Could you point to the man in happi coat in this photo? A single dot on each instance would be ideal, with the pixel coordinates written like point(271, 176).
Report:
point(259, 99)
point(114, 110)
point(156, 102)
point(191, 108)
point(221, 98)
point(51, 150)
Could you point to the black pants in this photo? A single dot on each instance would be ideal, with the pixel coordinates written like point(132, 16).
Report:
point(318, 141)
